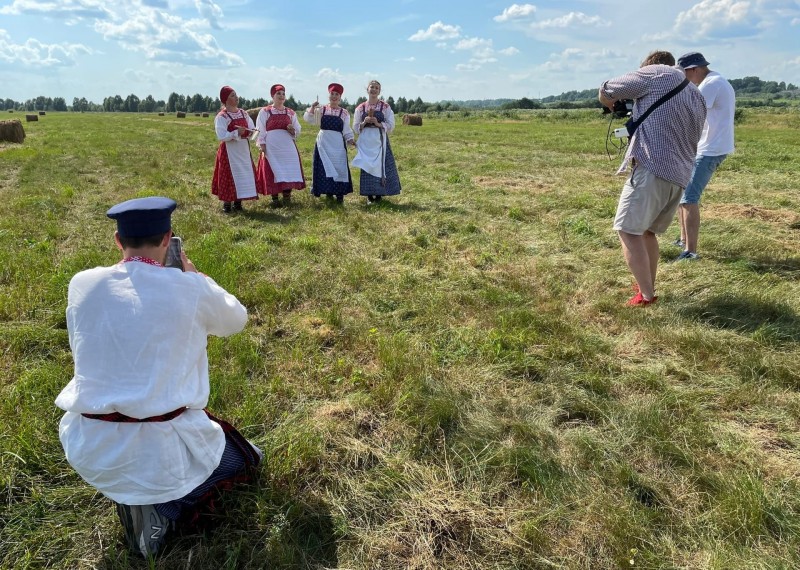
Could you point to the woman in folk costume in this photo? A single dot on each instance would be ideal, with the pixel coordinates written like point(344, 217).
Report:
point(331, 170)
point(234, 172)
point(373, 121)
point(279, 167)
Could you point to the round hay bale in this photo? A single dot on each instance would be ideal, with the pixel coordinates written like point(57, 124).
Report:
point(42, 113)
point(161, 114)
point(31, 118)
point(412, 119)
point(253, 113)
point(11, 110)
point(12, 131)
point(197, 114)
point(205, 115)
point(180, 115)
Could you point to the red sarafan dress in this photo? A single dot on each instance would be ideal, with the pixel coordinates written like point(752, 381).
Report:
point(280, 169)
point(234, 170)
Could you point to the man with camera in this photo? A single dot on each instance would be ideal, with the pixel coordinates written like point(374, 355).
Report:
point(135, 426)
point(666, 123)
point(715, 144)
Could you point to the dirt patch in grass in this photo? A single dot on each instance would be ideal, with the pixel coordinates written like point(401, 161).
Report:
point(10, 176)
point(750, 212)
point(778, 456)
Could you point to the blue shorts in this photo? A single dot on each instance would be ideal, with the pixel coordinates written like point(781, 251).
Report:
point(704, 167)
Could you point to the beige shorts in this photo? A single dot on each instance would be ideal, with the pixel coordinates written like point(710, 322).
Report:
point(647, 203)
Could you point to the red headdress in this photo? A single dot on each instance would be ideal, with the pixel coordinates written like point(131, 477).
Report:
point(224, 93)
point(276, 87)
point(336, 87)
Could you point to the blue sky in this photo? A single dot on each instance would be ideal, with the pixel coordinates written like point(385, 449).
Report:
point(434, 49)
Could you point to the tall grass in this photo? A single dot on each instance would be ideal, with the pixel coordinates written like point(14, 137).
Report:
point(447, 379)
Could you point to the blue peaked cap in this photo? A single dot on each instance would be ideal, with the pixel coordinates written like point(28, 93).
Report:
point(142, 217)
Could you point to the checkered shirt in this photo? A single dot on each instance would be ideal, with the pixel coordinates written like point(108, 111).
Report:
point(666, 142)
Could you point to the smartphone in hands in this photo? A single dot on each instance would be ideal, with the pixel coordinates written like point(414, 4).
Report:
point(174, 253)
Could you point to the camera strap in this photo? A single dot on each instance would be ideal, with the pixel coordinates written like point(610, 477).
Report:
point(633, 125)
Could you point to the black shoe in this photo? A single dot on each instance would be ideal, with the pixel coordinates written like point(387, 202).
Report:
point(275, 202)
point(237, 205)
point(378, 198)
point(340, 198)
point(145, 529)
point(226, 207)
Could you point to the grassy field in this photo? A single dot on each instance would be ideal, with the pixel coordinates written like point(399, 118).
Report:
point(448, 379)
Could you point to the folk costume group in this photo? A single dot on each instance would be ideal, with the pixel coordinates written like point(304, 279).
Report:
point(280, 171)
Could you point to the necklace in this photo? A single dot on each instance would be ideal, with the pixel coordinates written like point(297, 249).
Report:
point(141, 259)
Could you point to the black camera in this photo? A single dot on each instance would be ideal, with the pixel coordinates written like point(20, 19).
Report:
point(622, 108)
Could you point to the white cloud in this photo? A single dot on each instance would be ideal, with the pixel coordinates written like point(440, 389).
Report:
point(163, 37)
point(407, 59)
point(328, 73)
point(34, 52)
point(796, 22)
point(64, 9)
point(467, 67)
point(515, 12)
point(473, 43)
point(571, 20)
point(210, 11)
point(509, 51)
point(285, 73)
point(711, 16)
point(429, 79)
point(336, 45)
point(581, 61)
point(144, 26)
point(436, 31)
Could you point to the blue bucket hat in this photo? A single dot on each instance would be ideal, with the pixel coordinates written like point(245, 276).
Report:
point(143, 217)
point(692, 59)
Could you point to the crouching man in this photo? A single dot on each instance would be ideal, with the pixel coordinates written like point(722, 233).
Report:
point(135, 426)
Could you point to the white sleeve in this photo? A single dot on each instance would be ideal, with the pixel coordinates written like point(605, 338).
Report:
point(224, 315)
point(348, 130)
point(221, 123)
point(296, 125)
point(308, 116)
point(710, 90)
point(261, 125)
point(358, 116)
point(388, 119)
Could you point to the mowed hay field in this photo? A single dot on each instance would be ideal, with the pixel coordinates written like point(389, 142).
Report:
point(448, 379)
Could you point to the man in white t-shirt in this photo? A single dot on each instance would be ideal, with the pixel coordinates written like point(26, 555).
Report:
point(135, 426)
point(715, 144)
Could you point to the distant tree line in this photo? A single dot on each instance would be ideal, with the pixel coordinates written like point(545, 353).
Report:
point(751, 90)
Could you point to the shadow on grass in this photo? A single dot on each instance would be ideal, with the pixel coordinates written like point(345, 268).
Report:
point(277, 216)
point(387, 204)
point(787, 268)
point(776, 320)
point(295, 533)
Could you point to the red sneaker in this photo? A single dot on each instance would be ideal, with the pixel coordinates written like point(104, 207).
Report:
point(639, 301)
